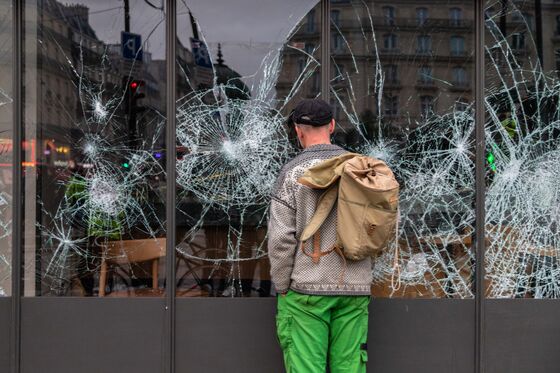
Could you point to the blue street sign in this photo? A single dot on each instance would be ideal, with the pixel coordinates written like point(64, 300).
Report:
point(131, 46)
point(200, 53)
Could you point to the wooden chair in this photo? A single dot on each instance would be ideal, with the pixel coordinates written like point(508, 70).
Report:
point(128, 252)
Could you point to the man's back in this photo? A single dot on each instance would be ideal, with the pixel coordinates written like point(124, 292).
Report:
point(291, 209)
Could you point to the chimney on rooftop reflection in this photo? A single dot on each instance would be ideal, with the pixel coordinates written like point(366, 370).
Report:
point(194, 28)
point(220, 55)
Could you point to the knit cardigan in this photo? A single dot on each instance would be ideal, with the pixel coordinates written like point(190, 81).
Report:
point(291, 208)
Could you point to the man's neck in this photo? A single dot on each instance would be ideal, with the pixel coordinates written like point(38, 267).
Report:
point(318, 142)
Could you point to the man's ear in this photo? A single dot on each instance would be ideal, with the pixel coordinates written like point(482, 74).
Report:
point(299, 132)
point(331, 126)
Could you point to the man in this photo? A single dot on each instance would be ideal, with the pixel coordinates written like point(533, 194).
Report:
point(322, 305)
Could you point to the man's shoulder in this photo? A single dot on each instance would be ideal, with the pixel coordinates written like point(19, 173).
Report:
point(304, 160)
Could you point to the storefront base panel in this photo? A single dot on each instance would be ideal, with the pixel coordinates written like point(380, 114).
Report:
point(92, 335)
point(238, 335)
point(421, 336)
point(5, 317)
point(522, 335)
point(62, 335)
point(227, 335)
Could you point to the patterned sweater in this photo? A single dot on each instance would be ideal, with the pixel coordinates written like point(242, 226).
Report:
point(291, 209)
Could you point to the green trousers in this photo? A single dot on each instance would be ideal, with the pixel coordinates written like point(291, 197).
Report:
point(314, 329)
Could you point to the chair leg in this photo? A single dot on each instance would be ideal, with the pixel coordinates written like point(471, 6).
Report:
point(155, 274)
point(102, 278)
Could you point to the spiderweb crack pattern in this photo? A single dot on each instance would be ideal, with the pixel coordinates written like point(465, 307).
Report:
point(235, 142)
point(6, 147)
point(234, 150)
point(115, 193)
point(5, 234)
point(523, 191)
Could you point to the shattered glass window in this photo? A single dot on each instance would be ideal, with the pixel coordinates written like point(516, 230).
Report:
point(522, 150)
point(94, 170)
point(6, 145)
point(238, 77)
point(420, 121)
point(401, 89)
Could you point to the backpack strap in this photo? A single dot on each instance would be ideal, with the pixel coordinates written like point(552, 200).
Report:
point(324, 207)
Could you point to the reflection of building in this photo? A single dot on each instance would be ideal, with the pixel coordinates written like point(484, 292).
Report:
point(518, 20)
point(225, 75)
point(75, 87)
point(75, 71)
point(425, 52)
point(196, 76)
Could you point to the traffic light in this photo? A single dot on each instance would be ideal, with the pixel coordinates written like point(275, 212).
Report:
point(491, 161)
point(132, 106)
point(136, 94)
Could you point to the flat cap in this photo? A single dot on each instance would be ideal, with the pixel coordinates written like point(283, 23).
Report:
point(314, 112)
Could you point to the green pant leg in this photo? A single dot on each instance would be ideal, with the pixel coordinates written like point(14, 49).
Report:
point(302, 325)
point(348, 337)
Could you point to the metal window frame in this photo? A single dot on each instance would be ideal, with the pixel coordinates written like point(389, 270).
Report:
point(171, 160)
point(480, 187)
point(325, 49)
point(17, 192)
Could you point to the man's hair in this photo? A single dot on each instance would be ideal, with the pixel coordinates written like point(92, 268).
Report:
point(309, 127)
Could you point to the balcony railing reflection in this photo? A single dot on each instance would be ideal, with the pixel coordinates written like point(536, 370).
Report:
point(400, 23)
point(426, 84)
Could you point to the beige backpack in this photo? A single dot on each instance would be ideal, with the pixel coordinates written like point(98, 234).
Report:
point(367, 195)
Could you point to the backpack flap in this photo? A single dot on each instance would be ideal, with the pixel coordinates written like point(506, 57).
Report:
point(367, 207)
point(325, 173)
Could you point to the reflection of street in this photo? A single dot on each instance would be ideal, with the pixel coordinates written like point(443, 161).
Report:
point(98, 113)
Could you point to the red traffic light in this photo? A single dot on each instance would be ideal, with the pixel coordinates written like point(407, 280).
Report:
point(134, 85)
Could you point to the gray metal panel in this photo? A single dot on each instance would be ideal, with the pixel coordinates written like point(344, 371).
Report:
point(226, 335)
point(92, 335)
point(522, 335)
point(5, 317)
point(238, 335)
point(422, 335)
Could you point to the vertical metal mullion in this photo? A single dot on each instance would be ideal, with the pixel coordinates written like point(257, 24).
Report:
point(170, 40)
point(479, 186)
point(17, 131)
point(325, 48)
